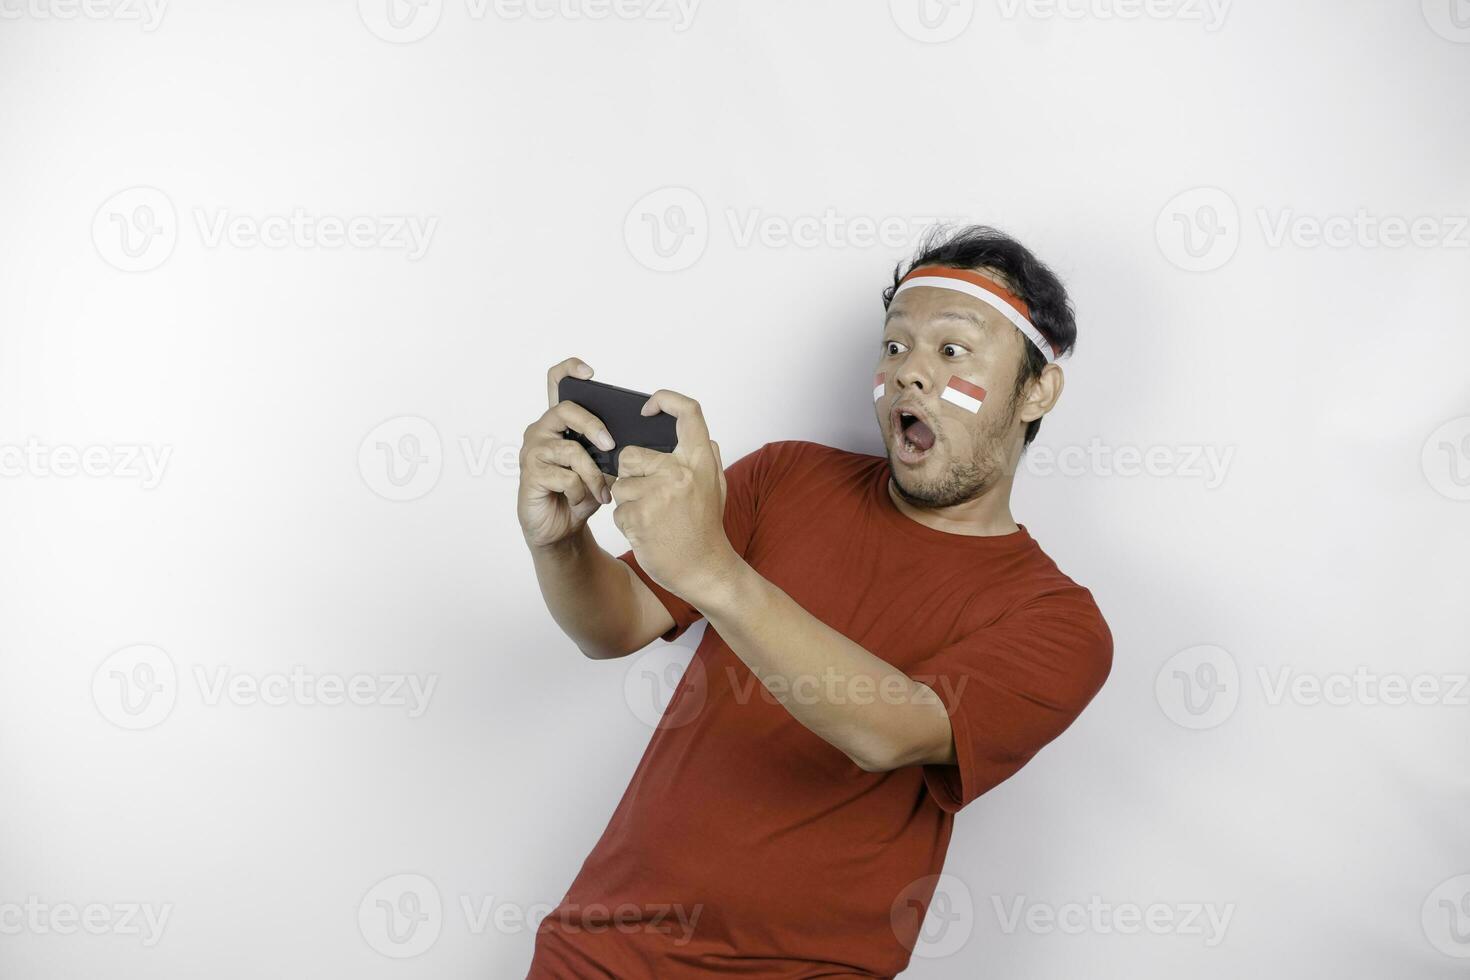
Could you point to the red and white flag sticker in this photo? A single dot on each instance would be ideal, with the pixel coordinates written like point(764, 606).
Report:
point(879, 381)
point(960, 392)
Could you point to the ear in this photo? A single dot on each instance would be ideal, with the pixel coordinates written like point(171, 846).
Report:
point(1042, 393)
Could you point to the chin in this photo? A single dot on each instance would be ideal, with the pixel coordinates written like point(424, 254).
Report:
point(947, 486)
point(924, 491)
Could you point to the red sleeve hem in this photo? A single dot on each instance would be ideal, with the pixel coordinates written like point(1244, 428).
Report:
point(947, 783)
point(684, 615)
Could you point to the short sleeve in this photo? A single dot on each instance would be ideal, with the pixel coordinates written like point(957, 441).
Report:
point(744, 485)
point(1011, 688)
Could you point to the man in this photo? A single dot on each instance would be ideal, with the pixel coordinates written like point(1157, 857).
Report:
point(885, 642)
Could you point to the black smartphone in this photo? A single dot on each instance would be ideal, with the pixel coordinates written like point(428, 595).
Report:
point(618, 409)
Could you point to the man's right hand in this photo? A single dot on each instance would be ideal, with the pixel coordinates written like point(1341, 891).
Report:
point(560, 484)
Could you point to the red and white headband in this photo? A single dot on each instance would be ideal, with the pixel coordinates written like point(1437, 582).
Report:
point(987, 291)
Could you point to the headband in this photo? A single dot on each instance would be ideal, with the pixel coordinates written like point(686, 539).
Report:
point(987, 291)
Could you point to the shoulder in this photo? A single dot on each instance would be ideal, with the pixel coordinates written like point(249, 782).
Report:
point(1065, 615)
point(797, 456)
point(797, 472)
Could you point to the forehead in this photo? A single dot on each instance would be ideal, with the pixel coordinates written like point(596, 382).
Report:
point(928, 309)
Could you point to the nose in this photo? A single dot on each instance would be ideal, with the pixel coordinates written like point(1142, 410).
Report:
point(914, 373)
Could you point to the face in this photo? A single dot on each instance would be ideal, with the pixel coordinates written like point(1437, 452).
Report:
point(941, 453)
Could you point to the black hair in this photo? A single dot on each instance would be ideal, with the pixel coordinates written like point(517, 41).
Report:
point(975, 247)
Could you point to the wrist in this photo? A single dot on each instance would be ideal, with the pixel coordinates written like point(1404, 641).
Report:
point(719, 583)
point(568, 548)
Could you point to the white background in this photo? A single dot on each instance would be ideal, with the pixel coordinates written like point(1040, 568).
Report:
point(1332, 377)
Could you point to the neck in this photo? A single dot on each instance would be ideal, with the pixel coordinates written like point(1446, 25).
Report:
point(987, 515)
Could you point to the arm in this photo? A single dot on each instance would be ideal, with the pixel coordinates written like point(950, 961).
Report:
point(670, 507)
point(870, 710)
point(596, 600)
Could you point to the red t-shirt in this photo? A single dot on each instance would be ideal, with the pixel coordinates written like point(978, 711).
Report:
point(747, 846)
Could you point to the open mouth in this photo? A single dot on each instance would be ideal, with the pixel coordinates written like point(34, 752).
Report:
point(913, 436)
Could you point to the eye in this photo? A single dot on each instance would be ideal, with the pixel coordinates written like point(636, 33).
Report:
point(893, 348)
point(954, 350)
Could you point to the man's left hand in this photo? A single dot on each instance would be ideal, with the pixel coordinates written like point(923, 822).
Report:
point(671, 506)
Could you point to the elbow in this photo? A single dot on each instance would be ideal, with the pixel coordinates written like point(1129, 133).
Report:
point(609, 647)
point(601, 651)
point(886, 755)
point(870, 764)
point(875, 758)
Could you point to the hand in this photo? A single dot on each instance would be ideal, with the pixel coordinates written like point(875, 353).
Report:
point(560, 484)
point(671, 506)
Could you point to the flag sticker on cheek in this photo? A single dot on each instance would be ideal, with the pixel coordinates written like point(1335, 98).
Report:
point(960, 392)
point(879, 382)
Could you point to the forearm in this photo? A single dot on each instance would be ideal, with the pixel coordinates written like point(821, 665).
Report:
point(590, 595)
point(859, 703)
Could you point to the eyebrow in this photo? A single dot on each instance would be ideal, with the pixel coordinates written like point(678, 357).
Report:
point(965, 316)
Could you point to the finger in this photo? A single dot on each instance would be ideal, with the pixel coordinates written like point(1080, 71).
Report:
point(627, 489)
point(720, 469)
point(570, 415)
point(641, 461)
point(628, 518)
point(689, 418)
point(566, 483)
point(571, 455)
point(572, 367)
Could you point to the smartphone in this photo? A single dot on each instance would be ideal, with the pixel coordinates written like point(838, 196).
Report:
point(618, 409)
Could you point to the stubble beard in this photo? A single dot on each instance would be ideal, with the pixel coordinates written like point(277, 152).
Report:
point(965, 479)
